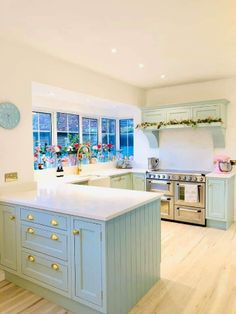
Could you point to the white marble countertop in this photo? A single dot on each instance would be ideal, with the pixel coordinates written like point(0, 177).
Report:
point(84, 201)
point(223, 175)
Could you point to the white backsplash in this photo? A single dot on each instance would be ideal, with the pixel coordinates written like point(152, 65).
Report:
point(186, 149)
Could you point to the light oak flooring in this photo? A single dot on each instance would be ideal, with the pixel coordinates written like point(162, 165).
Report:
point(198, 273)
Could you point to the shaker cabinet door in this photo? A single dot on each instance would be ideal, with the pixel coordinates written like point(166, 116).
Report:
point(8, 237)
point(88, 261)
point(139, 182)
point(216, 199)
point(204, 112)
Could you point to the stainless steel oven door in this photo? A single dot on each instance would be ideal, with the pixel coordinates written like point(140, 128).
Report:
point(190, 214)
point(196, 199)
point(167, 207)
point(165, 187)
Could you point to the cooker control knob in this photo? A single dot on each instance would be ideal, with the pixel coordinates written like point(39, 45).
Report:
point(190, 178)
point(179, 177)
point(158, 176)
point(184, 177)
point(201, 179)
point(194, 178)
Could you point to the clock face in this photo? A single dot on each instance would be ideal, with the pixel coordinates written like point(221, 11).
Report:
point(9, 115)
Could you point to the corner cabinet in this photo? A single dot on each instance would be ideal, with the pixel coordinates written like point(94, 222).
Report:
point(220, 202)
point(8, 238)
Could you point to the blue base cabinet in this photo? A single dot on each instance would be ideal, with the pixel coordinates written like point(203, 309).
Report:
point(8, 237)
point(220, 202)
point(85, 265)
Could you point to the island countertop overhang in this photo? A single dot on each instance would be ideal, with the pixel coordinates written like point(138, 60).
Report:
point(91, 202)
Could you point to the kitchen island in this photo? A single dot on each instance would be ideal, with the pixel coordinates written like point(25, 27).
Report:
point(89, 249)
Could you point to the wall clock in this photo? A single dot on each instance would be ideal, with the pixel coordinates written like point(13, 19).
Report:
point(9, 115)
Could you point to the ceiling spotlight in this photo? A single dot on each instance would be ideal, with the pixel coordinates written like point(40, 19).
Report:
point(114, 50)
point(163, 76)
point(141, 65)
point(51, 94)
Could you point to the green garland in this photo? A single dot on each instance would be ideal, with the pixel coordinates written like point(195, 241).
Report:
point(188, 122)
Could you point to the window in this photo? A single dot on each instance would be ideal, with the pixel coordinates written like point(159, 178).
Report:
point(90, 130)
point(67, 128)
point(109, 132)
point(127, 137)
point(42, 129)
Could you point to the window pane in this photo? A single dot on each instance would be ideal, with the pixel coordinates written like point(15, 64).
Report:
point(35, 139)
point(109, 132)
point(45, 138)
point(35, 121)
point(67, 128)
point(61, 121)
point(73, 123)
point(127, 137)
point(90, 130)
point(44, 121)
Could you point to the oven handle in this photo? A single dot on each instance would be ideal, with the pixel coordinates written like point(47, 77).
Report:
point(164, 198)
point(189, 210)
point(159, 182)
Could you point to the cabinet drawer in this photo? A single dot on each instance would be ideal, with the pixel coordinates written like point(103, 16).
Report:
point(44, 218)
point(50, 271)
point(43, 240)
point(188, 214)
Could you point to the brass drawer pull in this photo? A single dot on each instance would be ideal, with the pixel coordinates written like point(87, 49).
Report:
point(30, 230)
point(54, 237)
point(76, 232)
point(12, 217)
point(30, 217)
point(54, 222)
point(31, 258)
point(55, 267)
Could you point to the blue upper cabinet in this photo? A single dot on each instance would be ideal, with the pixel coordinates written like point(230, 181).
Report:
point(220, 202)
point(87, 246)
point(155, 115)
point(178, 113)
point(8, 245)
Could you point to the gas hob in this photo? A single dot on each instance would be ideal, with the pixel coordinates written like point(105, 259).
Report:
point(177, 175)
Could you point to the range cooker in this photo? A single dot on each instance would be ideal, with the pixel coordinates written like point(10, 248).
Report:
point(184, 193)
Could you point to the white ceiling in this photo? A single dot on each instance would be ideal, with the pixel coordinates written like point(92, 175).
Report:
point(186, 40)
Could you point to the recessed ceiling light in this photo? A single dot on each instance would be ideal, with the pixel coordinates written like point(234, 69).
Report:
point(163, 76)
point(141, 65)
point(51, 94)
point(114, 50)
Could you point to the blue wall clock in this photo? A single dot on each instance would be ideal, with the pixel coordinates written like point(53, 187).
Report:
point(9, 115)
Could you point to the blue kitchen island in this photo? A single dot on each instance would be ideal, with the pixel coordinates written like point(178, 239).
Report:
point(88, 249)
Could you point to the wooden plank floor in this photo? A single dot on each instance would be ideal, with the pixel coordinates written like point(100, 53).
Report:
point(198, 273)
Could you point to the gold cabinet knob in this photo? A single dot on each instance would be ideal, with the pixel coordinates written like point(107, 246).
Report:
point(31, 258)
point(54, 222)
point(30, 230)
point(55, 266)
point(76, 232)
point(12, 217)
point(30, 217)
point(54, 237)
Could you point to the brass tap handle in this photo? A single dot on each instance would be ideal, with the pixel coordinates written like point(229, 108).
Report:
point(54, 222)
point(30, 217)
point(31, 258)
point(54, 237)
point(12, 217)
point(30, 230)
point(55, 267)
point(76, 232)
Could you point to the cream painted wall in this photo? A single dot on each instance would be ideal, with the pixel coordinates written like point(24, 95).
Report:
point(19, 67)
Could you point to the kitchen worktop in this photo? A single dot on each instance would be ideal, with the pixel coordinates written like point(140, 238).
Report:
point(222, 175)
point(85, 201)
